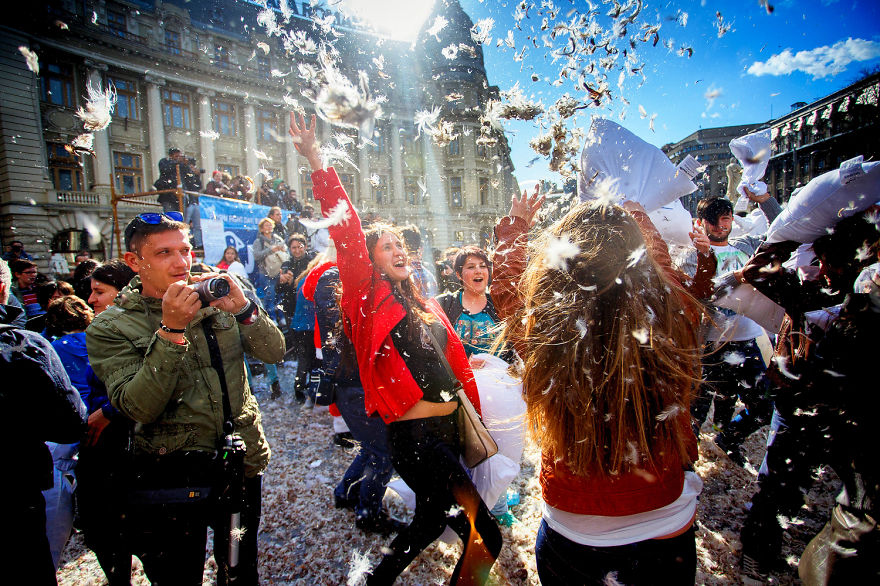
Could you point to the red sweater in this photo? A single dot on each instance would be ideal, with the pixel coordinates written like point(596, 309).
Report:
point(627, 493)
point(371, 312)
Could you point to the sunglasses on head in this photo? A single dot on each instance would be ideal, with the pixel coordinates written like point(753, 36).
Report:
point(152, 218)
point(156, 218)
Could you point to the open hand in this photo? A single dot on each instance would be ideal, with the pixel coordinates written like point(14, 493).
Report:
point(700, 239)
point(304, 139)
point(527, 206)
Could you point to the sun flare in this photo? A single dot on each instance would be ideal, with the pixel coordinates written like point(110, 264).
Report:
point(400, 19)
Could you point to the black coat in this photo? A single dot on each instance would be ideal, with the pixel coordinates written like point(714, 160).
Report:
point(39, 401)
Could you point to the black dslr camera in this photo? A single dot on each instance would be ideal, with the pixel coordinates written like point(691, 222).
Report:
point(212, 289)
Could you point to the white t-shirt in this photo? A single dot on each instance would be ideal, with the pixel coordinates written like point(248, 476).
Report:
point(601, 531)
point(730, 326)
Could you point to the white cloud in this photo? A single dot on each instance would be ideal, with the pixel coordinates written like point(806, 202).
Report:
point(819, 62)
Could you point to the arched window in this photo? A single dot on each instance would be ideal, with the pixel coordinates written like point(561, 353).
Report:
point(71, 241)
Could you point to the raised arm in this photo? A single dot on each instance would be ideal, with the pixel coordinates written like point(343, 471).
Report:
point(355, 267)
point(700, 286)
point(510, 255)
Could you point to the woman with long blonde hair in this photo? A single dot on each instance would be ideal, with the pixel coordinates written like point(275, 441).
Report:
point(608, 340)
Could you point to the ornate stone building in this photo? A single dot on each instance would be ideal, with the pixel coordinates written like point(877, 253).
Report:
point(711, 147)
point(815, 138)
point(194, 74)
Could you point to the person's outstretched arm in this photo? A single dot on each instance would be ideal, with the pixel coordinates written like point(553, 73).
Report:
point(355, 267)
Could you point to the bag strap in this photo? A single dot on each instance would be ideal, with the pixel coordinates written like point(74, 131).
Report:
point(440, 352)
point(217, 364)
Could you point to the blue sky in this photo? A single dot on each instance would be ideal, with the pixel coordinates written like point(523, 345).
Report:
point(676, 88)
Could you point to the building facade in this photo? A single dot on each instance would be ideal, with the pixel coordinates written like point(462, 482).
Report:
point(205, 77)
point(711, 147)
point(815, 138)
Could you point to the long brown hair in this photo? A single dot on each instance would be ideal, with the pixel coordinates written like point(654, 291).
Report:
point(406, 291)
point(610, 355)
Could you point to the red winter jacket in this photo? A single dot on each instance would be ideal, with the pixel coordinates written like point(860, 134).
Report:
point(371, 312)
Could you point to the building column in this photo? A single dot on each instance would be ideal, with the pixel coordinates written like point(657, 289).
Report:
point(250, 141)
point(208, 158)
point(396, 164)
point(364, 189)
point(438, 201)
point(470, 185)
point(102, 162)
point(291, 167)
point(156, 126)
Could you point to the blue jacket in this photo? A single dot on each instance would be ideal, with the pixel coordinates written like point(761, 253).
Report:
point(304, 315)
point(39, 401)
point(72, 351)
point(327, 312)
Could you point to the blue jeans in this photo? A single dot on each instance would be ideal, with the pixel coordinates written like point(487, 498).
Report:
point(562, 562)
point(266, 292)
point(194, 217)
point(371, 469)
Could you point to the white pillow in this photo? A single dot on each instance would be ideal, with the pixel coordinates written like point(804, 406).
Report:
point(616, 158)
point(753, 153)
point(674, 223)
point(826, 200)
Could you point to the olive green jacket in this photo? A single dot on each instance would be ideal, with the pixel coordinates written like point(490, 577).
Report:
point(170, 390)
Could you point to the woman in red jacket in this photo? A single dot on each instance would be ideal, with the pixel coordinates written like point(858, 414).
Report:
point(608, 340)
point(404, 379)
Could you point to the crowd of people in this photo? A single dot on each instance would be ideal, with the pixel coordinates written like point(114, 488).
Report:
point(142, 369)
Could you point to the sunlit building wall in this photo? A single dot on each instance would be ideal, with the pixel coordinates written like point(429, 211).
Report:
point(190, 74)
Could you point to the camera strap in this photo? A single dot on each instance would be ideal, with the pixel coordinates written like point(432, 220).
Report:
point(217, 363)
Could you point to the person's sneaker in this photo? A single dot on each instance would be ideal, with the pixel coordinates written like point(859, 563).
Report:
point(381, 523)
point(299, 396)
point(276, 390)
point(344, 503)
point(507, 519)
point(309, 403)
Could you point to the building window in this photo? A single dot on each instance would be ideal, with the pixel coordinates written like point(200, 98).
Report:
point(411, 189)
point(484, 191)
point(379, 139)
point(380, 190)
point(308, 191)
point(65, 168)
point(347, 180)
point(126, 99)
point(116, 22)
point(69, 242)
point(411, 145)
point(454, 147)
point(267, 125)
point(172, 42)
point(129, 172)
point(264, 65)
point(231, 169)
point(56, 83)
point(482, 151)
point(221, 57)
point(224, 118)
point(175, 107)
point(271, 174)
point(455, 192)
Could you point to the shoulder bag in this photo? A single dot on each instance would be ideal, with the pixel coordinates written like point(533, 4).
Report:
point(477, 444)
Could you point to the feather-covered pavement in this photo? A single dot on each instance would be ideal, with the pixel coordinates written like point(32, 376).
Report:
point(305, 540)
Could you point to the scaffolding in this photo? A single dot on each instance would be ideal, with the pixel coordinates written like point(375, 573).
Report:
point(115, 198)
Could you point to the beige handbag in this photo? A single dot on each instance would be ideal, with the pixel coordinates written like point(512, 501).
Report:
point(477, 444)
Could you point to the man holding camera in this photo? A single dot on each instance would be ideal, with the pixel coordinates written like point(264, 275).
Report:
point(171, 353)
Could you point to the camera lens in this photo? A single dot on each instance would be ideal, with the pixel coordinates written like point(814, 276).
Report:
point(212, 289)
